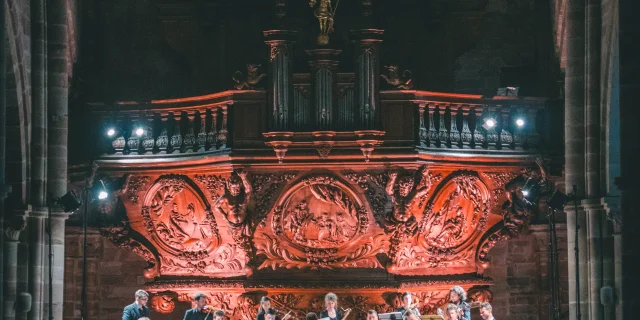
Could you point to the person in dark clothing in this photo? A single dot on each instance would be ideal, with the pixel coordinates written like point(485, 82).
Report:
point(138, 309)
point(199, 312)
point(331, 302)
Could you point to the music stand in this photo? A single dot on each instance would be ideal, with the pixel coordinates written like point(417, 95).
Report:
point(431, 317)
point(390, 316)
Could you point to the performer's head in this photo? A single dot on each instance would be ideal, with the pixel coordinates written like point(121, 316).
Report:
point(372, 315)
point(142, 297)
point(270, 314)
point(200, 299)
point(407, 298)
point(486, 311)
point(457, 294)
point(311, 316)
point(234, 185)
point(452, 311)
point(331, 301)
point(218, 315)
point(405, 185)
point(411, 316)
point(265, 304)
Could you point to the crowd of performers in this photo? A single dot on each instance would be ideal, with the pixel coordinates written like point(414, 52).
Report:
point(457, 309)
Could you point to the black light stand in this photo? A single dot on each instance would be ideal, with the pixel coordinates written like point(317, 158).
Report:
point(576, 248)
point(87, 193)
point(555, 203)
point(50, 244)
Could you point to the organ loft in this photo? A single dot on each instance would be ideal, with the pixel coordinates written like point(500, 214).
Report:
point(338, 159)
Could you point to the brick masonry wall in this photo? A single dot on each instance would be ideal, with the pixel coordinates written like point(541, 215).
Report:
point(519, 269)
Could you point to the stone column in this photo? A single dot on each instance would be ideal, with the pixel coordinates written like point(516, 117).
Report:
point(574, 97)
point(629, 149)
point(324, 87)
point(367, 77)
point(36, 260)
point(4, 190)
point(593, 186)
point(13, 227)
point(280, 78)
point(58, 241)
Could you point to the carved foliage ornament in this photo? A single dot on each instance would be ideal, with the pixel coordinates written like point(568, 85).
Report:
point(163, 303)
point(312, 225)
point(135, 185)
point(179, 219)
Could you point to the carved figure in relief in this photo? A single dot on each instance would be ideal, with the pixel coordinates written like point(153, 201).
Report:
point(453, 231)
point(233, 204)
point(405, 194)
point(251, 80)
point(394, 79)
point(334, 224)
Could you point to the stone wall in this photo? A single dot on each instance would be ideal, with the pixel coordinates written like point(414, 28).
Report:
point(519, 269)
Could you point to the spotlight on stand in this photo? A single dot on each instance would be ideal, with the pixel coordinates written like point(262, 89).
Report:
point(531, 190)
point(508, 91)
point(139, 131)
point(557, 200)
point(489, 122)
point(520, 122)
point(101, 190)
point(111, 132)
point(69, 202)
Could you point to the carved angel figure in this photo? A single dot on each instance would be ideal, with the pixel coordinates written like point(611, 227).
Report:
point(406, 193)
point(394, 79)
point(251, 80)
point(233, 203)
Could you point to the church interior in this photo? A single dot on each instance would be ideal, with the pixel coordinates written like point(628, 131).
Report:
point(332, 159)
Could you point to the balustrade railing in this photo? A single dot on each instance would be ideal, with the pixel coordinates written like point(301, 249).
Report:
point(424, 120)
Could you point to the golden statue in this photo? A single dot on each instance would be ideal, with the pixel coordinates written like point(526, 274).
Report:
point(325, 13)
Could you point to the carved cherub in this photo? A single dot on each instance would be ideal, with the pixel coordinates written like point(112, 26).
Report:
point(233, 203)
point(393, 78)
point(406, 193)
point(252, 79)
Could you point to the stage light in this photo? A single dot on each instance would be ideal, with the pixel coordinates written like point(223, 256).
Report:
point(111, 132)
point(557, 200)
point(490, 123)
point(530, 190)
point(101, 191)
point(139, 131)
point(69, 202)
point(520, 122)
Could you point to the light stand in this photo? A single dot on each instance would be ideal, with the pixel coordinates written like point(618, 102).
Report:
point(50, 244)
point(576, 248)
point(87, 193)
point(555, 203)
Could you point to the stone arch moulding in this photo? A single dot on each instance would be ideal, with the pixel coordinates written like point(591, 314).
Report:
point(178, 221)
point(448, 232)
point(319, 222)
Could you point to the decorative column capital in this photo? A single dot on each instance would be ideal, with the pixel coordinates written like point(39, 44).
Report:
point(323, 58)
point(611, 205)
point(367, 35)
point(14, 225)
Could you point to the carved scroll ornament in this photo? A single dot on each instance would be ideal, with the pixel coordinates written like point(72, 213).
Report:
point(315, 225)
point(163, 303)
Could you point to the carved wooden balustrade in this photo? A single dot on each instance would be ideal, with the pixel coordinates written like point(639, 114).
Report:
point(236, 122)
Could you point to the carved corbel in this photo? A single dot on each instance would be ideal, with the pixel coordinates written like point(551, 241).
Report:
point(164, 302)
point(368, 140)
point(323, 142)
point(280, 142)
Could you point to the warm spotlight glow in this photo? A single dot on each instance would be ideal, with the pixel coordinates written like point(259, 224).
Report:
point(520, 122)
point(102, 195)
point(139, 132)
point(490, 123)
point(111, 132)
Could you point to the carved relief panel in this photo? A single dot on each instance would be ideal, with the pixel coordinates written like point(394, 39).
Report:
point(319, 222)
point(179, 222)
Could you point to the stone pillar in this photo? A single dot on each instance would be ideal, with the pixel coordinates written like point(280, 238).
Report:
point(58, 241)
point(12, 230)
point(593, 171)
point(4, 190)
point(36, 260)
point(600, 246)
point(324, 87)
point(574, 98)
point(581, 262)
point(58, 96)
point(38, 190)
point(367, 77)
point(280, 78)
point(629, 169)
